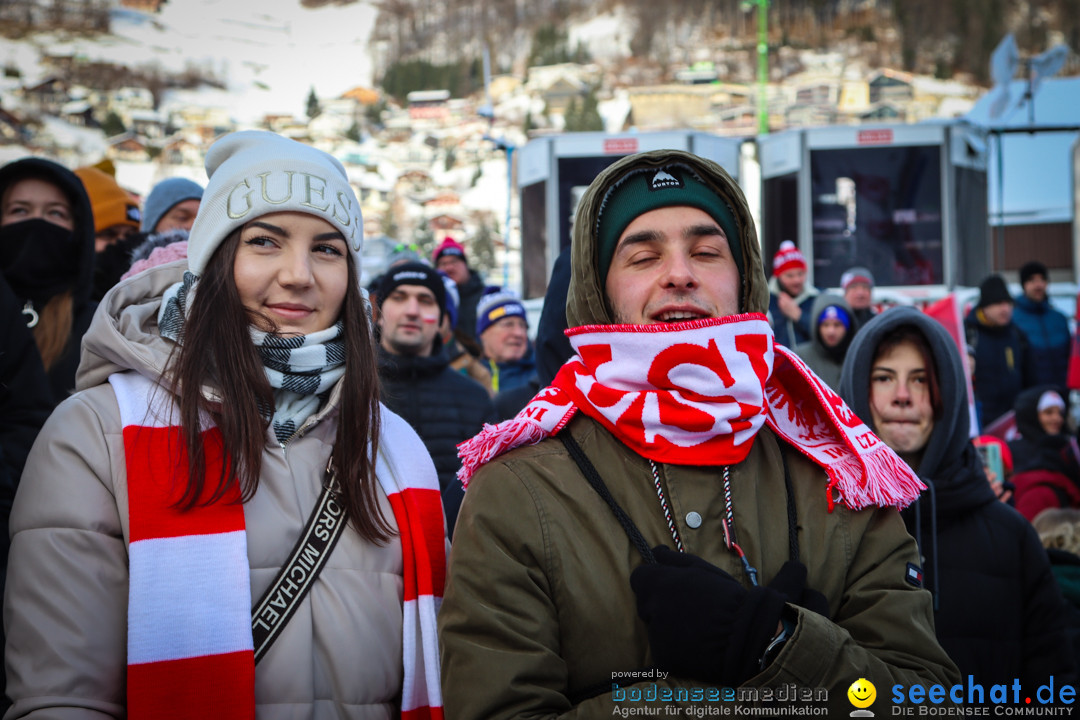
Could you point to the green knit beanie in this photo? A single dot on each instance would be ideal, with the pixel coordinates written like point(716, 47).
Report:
point(649, 188)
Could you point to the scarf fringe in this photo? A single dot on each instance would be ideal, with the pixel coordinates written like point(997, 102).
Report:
point(494, 440)
point(895, 484)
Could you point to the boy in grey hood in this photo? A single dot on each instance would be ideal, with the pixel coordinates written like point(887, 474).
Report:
point(973, 546)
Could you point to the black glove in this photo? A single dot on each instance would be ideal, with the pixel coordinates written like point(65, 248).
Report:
point(791, 581)
point(702, 623)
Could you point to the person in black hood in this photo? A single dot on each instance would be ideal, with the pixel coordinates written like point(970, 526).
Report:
point(443, 406)
point(998, 611)
point(47, 257)
point(1047, 469)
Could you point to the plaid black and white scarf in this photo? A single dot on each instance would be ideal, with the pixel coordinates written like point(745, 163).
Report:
point(302, 369)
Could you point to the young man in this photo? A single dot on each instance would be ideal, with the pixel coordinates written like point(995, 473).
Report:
point(1046, 328)
point(790, 299)
point(558, 598)
point(904, 378)
point(834, 327)
point(443, 406)
point(1003, 360)
point(857, 284)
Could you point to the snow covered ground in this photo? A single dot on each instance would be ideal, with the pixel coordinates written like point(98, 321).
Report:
point(270, 54)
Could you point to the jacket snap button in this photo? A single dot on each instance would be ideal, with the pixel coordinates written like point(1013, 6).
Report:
point(693, 519)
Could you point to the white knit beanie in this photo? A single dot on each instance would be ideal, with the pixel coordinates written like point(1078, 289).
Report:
point(255, 173)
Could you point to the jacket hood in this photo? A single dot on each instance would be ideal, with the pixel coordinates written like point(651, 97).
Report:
point(586, 300)
point(823, 301)
point(950, 462)
point(124, 332)
point(552, 347)
point(951, 430)
point(81, 209)
point(1027, 416)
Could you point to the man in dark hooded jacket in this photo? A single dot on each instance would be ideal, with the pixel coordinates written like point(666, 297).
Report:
point(998, 611)
point(443, 406)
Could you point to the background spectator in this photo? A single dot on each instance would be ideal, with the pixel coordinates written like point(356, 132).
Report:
point(172, 204)
point(47, 258)
point(903, 376)
point(1047, 464)
point(502, 327)
point(857, 284)
point(444, 407)
point(449, 257)
point(1047, 329)
point(1003, 362)
point(833, 327)
point(790, 299)
point(116, 228)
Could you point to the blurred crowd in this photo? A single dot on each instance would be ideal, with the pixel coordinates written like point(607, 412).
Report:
point(94, 283)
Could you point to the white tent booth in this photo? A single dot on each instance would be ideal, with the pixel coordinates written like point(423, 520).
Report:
point(909, 202)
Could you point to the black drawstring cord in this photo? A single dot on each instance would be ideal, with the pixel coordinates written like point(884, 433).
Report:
point(792, 515)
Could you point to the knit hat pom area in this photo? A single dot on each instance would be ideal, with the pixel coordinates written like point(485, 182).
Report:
point(787, 258)
point(495, 304)
point(255, 173)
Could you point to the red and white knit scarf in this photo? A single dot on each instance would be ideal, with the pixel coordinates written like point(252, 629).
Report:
point(696, 393)
point(190, 649)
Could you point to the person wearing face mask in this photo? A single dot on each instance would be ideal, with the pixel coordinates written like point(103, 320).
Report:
point(1046, 457)
point(834, 326)
point(224, 521)
point(47, 257)
point(903, 377)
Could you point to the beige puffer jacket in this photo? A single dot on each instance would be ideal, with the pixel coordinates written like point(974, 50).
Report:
point(65, 609)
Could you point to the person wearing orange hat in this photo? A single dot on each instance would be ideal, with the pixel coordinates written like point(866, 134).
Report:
point(116, 223)
point(116, 214)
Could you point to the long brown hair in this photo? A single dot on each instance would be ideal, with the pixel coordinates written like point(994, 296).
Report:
point(216, 349)
point(53, 330)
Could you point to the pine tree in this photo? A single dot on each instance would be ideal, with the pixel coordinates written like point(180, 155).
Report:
point(313, 109)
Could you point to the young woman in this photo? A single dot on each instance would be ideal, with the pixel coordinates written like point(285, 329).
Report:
point(162, 500)
point(47, 257)
point(1046, 456)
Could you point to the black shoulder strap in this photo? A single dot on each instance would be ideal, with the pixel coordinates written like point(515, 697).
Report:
point(282, 599)
point(597, 483)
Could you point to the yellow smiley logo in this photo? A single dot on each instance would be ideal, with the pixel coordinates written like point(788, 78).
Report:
point(862, 693)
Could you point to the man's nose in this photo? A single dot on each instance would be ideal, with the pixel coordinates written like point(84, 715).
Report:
point(679, 272)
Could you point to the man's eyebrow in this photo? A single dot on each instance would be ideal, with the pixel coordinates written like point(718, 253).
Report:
point(703, 230)
point(642, 236)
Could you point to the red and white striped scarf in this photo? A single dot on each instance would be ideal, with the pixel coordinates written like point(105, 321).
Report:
point(697, 393)
point(190, 649)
